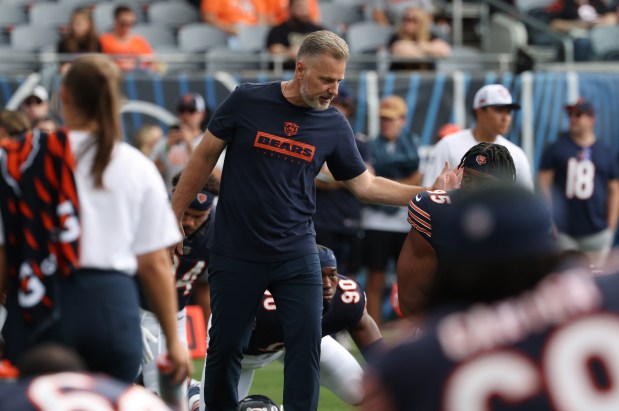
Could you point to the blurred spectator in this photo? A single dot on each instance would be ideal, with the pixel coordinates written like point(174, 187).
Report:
point(394, 156)
point(121, 41)
point(338, 212)
point(492, 108)
point(36, 104)
point(13, 123)
point(286, 38)
point(82, 36)
point(579, 177)
point(45, 124)
point(172, 154)
point(147, 137)
point(227, 15)
point(279, 11)
point(389, 12)
point(577, 18)
point(414, 39)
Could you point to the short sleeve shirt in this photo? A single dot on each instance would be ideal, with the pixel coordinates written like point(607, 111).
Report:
point(274, 151)
point(580, 185)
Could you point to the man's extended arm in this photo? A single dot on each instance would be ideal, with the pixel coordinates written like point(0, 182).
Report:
point(373, 189)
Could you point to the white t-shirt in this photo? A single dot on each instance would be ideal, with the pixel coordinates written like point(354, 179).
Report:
point(454, 146)
point(129, 216)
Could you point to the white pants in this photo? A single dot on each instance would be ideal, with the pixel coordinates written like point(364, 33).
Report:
point(596, 246)
point(340, 372)
point(149, 320)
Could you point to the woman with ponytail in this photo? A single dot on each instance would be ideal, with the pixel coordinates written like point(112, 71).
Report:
point(111, 222)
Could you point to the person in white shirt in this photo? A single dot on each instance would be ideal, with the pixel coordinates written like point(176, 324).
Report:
point(122, 222)
point(493, 106)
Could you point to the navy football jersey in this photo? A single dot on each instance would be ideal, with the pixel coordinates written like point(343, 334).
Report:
point(580, 186)
point(425, 212)
point(194, 261)
point(554, 348)
point(344, 311)
point(76, 391)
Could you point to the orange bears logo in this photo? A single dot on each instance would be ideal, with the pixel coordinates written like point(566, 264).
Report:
point(481, 160)
point(291, 129)
point(201, 197)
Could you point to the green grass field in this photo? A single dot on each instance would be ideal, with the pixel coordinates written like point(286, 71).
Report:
point(269, 381)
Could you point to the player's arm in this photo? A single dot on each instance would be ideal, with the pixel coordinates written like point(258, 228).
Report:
point(416, 269)
point(373, 189)
point(195, 174)
point(613, 204)
point(367, 336)
point(159, 286)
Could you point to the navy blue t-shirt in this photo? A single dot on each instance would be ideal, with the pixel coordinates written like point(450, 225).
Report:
point(580, 186)
point(339, 210)
point(275, 150)
point(552, 349)
point(344, 311)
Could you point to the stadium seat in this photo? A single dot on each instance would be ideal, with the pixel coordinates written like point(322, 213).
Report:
point(529, 5)
point(157, 36)
point(462, 58)
point(604, 42)
point(21, 3)
point(10, 16)
point(172, 14)
point(225, 59)
point(505, 35)
point(367, 37)
point(338, 17)
point(54, 15)
point(199, 37)
point(252, 39)
point(80, 3)
point(27, 37)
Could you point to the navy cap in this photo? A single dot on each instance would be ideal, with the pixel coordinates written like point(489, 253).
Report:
point(327, 257)
point(581, 105)
point(203, 201)
point(496, 223)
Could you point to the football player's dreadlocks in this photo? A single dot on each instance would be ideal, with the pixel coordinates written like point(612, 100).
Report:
point(497, 160)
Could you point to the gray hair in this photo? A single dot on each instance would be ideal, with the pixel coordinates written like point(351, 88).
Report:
point(323, 42)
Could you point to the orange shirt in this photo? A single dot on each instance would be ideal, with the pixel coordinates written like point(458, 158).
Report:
point(246, 12)
point(135, 45)
point(278, 11)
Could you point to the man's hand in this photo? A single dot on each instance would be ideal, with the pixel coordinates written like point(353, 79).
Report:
point(178, 247)
point(180, 361)
point(448, 179)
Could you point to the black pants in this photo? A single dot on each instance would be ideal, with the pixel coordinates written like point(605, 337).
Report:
point(99, 318)
point(236, 290)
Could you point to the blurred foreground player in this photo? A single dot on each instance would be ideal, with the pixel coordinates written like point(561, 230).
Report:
point(419, 258)
point(507, 333)
point(343, 309)
point(53, 378)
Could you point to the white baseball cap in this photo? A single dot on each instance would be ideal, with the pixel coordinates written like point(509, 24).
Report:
point(495, 95)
